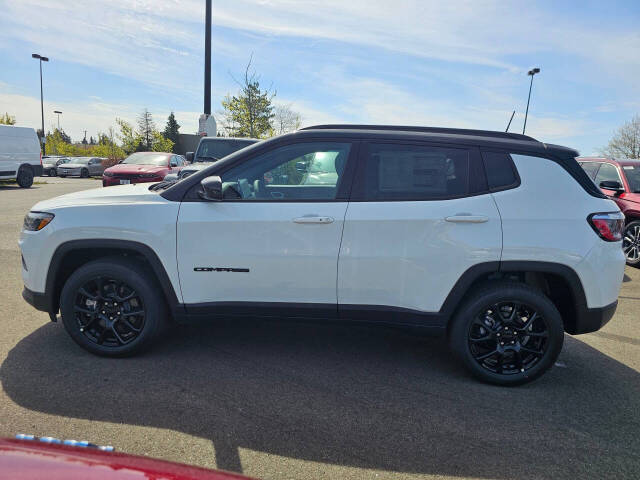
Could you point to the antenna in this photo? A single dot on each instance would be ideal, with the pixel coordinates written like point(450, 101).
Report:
point(509, 124)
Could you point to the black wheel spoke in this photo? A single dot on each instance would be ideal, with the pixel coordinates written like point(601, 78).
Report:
point(118, 315)
point(487, 355)
point(537, 353)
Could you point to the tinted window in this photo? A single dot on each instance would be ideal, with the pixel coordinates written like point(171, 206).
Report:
point(303, 171)
point(633, 177)
point(413, 172)
point(607, 172)
point(500, 170)
point(590, 168)
point(215, 149)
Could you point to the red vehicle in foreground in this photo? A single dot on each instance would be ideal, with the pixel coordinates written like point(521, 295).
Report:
point(142, 167)
point(36, 459)
point(620, 180)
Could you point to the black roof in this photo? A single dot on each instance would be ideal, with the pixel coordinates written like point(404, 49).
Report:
point(488, 138)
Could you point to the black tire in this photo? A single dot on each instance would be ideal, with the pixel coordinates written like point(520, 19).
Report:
point(84, 173)
point(108, 323)
point(52, 172)
point(631, 243)
point(25, 176)
point(499, 318)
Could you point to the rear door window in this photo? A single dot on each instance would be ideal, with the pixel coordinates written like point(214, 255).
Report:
point(501, 172)
point(417, 172)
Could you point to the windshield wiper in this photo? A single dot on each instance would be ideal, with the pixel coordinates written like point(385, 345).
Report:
point(163, 185)
point(207, 156)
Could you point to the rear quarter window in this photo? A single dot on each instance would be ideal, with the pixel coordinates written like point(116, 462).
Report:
point(500, 170)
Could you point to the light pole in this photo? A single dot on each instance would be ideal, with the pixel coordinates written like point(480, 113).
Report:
point(42, 59)
point(58, 112)
point(531, 72)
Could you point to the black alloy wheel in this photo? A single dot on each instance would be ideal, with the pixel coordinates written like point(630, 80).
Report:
point(109, 312)
point(507, 333)
point(508, 338)
point(113, 306)
point(631, 243)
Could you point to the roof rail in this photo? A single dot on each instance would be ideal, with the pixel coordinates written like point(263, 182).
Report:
point(453, 131)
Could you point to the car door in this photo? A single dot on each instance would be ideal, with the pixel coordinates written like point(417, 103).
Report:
point(272, 244)
point(420, 215)
point(95, 166)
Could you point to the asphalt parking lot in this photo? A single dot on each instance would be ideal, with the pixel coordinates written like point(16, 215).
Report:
point(285, 400)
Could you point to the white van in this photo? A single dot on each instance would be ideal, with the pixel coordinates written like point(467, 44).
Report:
point(20, 156)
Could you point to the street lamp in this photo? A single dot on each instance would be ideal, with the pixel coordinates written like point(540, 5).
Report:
point(42, 59)
point(531, 72)
point(58, 112)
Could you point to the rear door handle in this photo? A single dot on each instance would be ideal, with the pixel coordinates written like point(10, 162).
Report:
point(313, 219)
point(467, 218)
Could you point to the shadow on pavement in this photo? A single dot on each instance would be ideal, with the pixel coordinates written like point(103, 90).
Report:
point(346, 395)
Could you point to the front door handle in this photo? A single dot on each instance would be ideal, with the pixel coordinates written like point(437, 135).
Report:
point(313, 219)
point(466, 218)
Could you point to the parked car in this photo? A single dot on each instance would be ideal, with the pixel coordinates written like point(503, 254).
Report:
point(496, 240)
point(143, 167)
point(50, 164)
point(83, 167)
point(32, 458)
point(20, 155)
point(620, 181)
point(210, 149)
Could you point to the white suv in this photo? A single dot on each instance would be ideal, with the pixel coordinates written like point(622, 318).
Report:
point(496, 240)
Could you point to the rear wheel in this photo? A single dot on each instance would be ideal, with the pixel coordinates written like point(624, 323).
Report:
point(84, 173)
point(25, 176)
point(631, 243)
point(112, 308)
point(507, 333)
point(52, 172)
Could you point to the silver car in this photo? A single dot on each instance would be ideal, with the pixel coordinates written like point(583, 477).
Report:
point(82, 167)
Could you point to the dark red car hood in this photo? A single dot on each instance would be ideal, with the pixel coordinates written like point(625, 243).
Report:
point(631, 197)
point(31, 460)
point(130, 169)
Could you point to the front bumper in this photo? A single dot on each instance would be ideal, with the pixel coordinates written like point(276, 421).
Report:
point(38, 300)
point(593, 319)
point(110, 181)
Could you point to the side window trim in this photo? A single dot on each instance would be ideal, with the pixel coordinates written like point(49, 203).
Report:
point(357, 189)
point(615, 167)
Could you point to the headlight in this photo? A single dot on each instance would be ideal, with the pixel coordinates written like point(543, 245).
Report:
point(107, 174)
point(34, 221)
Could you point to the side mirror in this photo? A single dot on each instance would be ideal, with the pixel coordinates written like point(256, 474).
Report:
point(301, 167)
point(211, 189)
point(189, 157)
point(612, 185)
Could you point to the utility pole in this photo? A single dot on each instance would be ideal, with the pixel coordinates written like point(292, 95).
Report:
point(207, 124)
point(58, 112)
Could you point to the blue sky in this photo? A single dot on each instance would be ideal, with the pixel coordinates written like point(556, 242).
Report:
point(454, 63)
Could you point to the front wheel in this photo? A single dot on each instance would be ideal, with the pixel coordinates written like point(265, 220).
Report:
point(112, 308)
point(84, 173)
point(507, 333)
point(25, 177)
point(631, 243)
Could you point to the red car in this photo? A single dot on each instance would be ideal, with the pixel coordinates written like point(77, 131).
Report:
point(141, 167)
point(49, 458)
point(620, 180)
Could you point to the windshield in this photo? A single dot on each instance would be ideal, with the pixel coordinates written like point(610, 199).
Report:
point(215, 149)
point(139, 158)
point(633, 177)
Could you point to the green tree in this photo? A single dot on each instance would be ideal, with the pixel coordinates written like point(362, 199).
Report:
point(171, 130)
point(129, 138)
point(59, 143)
point(159, 143)
point(249, 113)
point(108, 148)
point(146, 127)
point(7, 119)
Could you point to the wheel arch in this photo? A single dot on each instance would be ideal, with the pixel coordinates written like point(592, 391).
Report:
point(560, 283)
point(69, 256)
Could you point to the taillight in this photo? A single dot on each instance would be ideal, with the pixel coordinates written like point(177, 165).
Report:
point(608, 226)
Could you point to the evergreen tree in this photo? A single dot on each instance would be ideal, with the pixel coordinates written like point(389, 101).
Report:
point(146, 127)
point(171, 130)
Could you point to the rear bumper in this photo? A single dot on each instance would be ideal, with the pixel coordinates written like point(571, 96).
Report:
point(593, 319)
point(39, 301)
